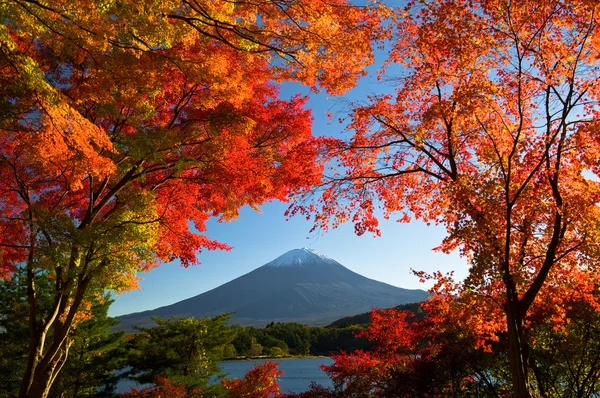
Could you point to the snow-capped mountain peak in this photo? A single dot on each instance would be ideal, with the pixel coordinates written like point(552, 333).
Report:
point(300, 257)
point(301, 285)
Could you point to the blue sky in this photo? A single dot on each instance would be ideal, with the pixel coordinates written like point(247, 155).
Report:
point(258, 238)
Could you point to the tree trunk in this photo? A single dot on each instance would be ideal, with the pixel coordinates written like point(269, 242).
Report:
point(40, 386)
point(517, 346)
point(48, 361)
point(37, 383)
point(32, 362)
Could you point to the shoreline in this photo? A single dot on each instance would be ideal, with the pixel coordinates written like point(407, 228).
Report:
point(271, 358)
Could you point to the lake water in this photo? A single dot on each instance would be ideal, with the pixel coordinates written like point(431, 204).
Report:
point(298, 373)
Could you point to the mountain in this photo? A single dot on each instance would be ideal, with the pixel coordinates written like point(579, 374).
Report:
point(301, 285)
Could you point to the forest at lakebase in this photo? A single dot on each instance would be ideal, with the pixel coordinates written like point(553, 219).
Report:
point(180, 357)
point(125, 126)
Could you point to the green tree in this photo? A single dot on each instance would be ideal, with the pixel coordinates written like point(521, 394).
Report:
point(185, 350)
point(566, 360)
point(256, 349)
point(276, 352)
point(13, 333)
point(296, 336)
point(328, 340)
point(242, 340)
point(229, 351)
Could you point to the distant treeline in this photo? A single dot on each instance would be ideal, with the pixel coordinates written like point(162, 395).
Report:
point(364, 319)
point(281, 339)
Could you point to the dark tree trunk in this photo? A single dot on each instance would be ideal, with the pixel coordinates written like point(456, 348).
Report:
point(38, 379)
point(518, 349)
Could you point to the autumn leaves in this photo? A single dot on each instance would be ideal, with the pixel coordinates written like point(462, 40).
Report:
point(122, 124)
point(486, 136)
point(125, 124)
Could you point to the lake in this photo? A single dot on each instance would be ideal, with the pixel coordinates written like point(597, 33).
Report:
point(298, 373)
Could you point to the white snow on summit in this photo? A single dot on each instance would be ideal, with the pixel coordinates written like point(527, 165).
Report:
point(300, 257)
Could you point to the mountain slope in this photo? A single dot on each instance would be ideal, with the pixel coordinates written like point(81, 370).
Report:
point(299, 286)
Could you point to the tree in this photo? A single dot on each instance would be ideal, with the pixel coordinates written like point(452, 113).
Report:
point(259, 382)
point(255, 350)
point(13, 332)
point(88, 372)
point(124, 126)
point(96, 357)
point(491, 133)
point(566, 358)
point(185, 350)
point(458, 346)
point(163, 388)
point(445, 352)
point(296, 336)
point(229, 352)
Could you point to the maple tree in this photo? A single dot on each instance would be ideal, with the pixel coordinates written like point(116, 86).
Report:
point(259, 382)
point(459, 347)
point(163, 388)
point(124, 126)
point(492, 133)
point(445, 352)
